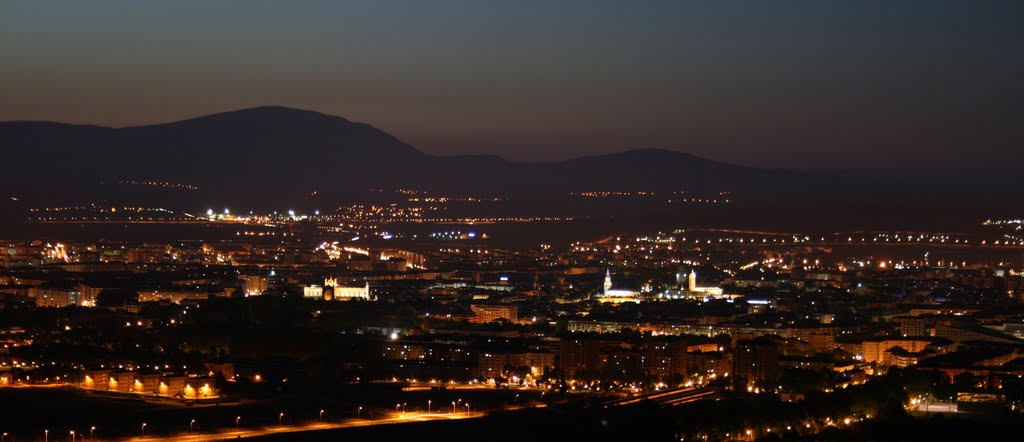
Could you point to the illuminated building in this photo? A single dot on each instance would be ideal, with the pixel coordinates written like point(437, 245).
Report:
point(96, 379)
point(172, 385)
point(664, 358)
point(89, 294)
point(616, 296)
point(486, 313)
point(254, 285)
point(493, 364)
point(693, 291)
point(198, 388)
point(147, 383)
point(344, 293)
point(874, 351)
point(313, 291)
point(121, 381)
point(55, 297)
point(177, 296)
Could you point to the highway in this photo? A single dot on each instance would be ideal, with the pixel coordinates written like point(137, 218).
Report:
point(674, 396)
point(395, 418)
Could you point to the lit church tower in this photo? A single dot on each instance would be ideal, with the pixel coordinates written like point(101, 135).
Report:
point(692, 280)
point(607, 281)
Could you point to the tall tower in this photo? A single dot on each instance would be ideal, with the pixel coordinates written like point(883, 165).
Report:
point(692, 280)
point(607, 281)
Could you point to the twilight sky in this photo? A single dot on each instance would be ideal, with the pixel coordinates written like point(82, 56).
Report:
point(854, 85)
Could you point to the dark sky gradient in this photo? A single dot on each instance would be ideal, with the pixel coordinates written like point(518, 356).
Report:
point(829, 85)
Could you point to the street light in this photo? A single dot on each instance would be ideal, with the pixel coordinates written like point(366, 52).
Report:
point(359, 411)
point(47, 435)
point(3, 437)
point(321, 415)
point(467, 407)
point(143, 428)
point(237, 419)
point(280, 418)
point(92, 432)
point(453, 407)
point(191, 425)
point(72, 435)
point(428, 405)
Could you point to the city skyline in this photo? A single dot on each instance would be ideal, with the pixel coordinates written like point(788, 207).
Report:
point(483, 220)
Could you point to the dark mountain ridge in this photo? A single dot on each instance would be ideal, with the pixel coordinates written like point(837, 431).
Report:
point(269, 156)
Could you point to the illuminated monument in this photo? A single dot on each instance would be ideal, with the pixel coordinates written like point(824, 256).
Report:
point(692, 291)
point(616, 296)
point(332, 291)
point(345, 293)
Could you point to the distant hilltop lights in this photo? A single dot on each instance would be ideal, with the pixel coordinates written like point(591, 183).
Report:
point(160, 184)
point(673, 198)
point(456, 234)
point(227, 216)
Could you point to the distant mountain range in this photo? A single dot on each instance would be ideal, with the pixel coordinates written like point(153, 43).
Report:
point(270, 156)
